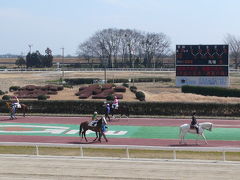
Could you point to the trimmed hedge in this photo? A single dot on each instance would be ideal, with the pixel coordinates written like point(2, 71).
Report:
point(135, 108)
point(1, 92)
point(211, 91)
point(77, 81)
point(140, 95)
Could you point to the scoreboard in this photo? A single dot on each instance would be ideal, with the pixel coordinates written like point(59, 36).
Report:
point(202, 65)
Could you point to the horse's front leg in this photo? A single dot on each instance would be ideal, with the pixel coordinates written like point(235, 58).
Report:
point(100, 136)
point(96, 136)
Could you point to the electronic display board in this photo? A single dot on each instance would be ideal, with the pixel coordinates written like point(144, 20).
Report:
point(202, 55)
point(202, 71)
point(204, 65)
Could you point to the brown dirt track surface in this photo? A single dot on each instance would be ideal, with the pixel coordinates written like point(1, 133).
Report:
point(46, 168)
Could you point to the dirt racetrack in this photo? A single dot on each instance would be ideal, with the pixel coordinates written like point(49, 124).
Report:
point(51, 168)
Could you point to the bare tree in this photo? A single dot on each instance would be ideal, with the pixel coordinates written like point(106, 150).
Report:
point(131, 45)
point(154, 45)
point(234, 47)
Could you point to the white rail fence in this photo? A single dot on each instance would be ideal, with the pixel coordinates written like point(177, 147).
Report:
point(126, 148)
point(98, 70)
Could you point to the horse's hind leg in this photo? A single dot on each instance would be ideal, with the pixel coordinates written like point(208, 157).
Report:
point(204, 138)
point(84, 134)
point(181, 137)
point(24, 112)
point(103, 134)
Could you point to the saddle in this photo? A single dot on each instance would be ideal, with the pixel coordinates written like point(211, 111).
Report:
point(192, 127)
point(195, 127)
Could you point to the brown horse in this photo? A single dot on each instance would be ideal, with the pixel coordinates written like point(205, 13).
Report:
point(121, 110)
point(23, 109)
point(84, 126)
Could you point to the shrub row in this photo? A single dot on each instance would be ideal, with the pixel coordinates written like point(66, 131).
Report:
point(77, 81)
point(211, 91)
point(135, 108)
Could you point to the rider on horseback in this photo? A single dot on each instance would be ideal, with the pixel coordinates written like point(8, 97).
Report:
point(94, 119)
point(115, 103)
point(194, 123)
point(15, 103)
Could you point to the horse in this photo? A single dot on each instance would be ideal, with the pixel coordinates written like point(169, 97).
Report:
point(185, 128)
point(23, 108)
point(122, 110)
point(98, 129)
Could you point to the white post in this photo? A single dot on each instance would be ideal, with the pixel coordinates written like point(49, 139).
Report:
point(174, 155)
point(37, 150)
point(81, 151)
point(224, 155)
point(127, 151)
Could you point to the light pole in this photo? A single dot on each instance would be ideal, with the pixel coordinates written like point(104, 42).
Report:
point(62, 63)
point(30, 48)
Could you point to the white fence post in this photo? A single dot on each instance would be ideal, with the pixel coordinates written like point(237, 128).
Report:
point(224, 155)
point(127, 151)
point(37, 150)
point(81, 151)
point(174, 155)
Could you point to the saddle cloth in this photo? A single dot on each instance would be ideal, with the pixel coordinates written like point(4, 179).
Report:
point(17, 105)
point(93, 123)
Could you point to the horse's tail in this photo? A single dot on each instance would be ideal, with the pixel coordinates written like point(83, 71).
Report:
point(80, 129)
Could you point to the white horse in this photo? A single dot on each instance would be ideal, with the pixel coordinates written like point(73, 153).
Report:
point(185, 128)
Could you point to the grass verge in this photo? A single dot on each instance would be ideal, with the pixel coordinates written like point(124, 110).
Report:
point(119, 153)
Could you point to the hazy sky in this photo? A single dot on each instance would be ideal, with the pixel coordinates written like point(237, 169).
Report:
point(67, 23)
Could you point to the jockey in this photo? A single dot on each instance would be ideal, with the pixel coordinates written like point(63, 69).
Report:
point(194, 123)
point(94, 119)
point(94, 116)
point(115, 103)
point(15, 102)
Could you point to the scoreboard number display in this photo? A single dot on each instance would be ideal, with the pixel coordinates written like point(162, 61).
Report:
point(202, 65)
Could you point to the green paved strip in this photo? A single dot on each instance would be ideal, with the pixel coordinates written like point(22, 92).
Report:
point(143, 132)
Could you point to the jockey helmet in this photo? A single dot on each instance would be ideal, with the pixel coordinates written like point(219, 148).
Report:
point(108, 105)
point(95, 112)
point(115, 97)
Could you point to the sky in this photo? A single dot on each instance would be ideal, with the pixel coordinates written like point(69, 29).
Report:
point(65, 24)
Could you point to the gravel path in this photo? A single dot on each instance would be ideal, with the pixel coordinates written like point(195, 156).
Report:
point(50, 168)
